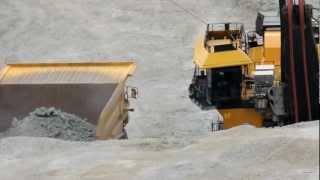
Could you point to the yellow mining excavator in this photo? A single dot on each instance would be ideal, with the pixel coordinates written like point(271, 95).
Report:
point(266, 77)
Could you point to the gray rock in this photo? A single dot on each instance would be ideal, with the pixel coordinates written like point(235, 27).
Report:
point(53, 123)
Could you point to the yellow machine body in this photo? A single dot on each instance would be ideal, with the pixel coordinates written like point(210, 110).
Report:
point(272, 47)
point(219, 52)
point(269, 53)
point(240, 116)
point(319, 51)
point(206, 60)
point(205, 57)
point(95, 91)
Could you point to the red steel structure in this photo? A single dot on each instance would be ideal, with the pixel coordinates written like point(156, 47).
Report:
point(304, 56)
point(292, 63)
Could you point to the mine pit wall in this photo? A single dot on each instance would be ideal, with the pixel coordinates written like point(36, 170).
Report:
point(90, 101)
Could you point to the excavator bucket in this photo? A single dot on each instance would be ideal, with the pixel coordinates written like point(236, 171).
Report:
point(95, 91)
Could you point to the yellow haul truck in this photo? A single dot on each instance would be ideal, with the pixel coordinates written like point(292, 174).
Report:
point(95, 91)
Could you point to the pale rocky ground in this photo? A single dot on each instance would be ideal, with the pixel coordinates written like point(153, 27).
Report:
point(169, 137)
point(240, 153)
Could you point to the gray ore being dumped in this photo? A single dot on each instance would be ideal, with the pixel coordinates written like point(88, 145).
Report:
point(53, 123)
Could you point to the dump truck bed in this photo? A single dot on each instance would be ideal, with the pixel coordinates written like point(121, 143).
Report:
point(89, 90)
point(69, 73)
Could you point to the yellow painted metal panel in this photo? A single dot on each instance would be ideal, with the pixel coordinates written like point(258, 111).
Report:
point(69, 73)
point(272, 47)
point(218, 42)
point(112, 115)
point(273, 57)
point(256, 54)
point(239, 116)
point(272, 39)
point(204, 59)
point(319, 51)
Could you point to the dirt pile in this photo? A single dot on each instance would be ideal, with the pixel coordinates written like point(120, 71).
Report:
point(53, 123)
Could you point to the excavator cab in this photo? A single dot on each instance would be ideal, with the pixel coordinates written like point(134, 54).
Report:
point(221, 67)
point(217, 87)
point(226, 84)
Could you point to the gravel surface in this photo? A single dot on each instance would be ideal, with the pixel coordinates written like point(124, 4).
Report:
point(248, 153)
